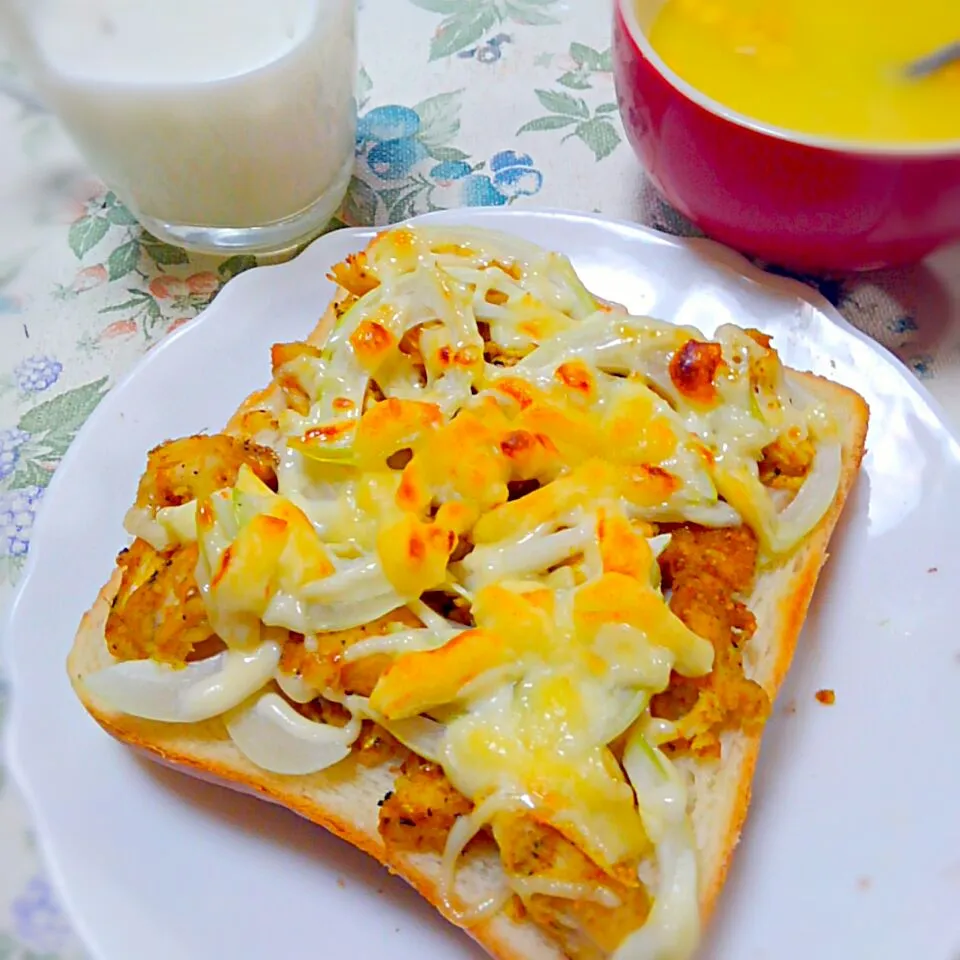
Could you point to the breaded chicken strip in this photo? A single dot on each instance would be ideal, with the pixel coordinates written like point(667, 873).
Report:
point(707, 570)
point(154, 583)
point(194, 467)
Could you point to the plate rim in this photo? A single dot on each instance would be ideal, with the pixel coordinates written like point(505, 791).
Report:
point(718, 256)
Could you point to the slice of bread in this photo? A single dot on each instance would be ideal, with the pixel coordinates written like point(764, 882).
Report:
point(344, 799)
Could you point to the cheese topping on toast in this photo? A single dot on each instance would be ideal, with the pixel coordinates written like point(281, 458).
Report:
point(458, 539)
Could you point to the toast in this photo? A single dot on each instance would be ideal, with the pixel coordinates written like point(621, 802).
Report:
point(346, 798)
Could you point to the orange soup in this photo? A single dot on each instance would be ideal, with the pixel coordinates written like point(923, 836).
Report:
point(823, 67)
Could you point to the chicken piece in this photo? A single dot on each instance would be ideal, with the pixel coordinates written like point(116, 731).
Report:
point(423, 806)
point(317, 663)
point(354, 275)
point(787, 461)
point(158, 611)
point(725, 698)
point(729, 554)
point(375, 746)
point(418, 814)
point(322, 710)
point(283, 359)
point(195, 467)
point(706, 571)
point(258, 422)
point(584, 929)
point(372, 748)
point(320, 662)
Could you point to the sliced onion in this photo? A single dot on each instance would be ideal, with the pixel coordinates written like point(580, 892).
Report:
point(719, 514)
point(351, 577)
point(813, 499)
point(672, 930)
point(140, 522)
point(625, 706)
point(301, 616)
point(295, 688)
point(324, 453)
point(658, 731)
point(451, 391)
point(659, 543)
point(164, 527)
point(325, 618)
point(180, 521)
point(526, 887)
point(355, 580)
point(429, 617)
point(598, 331)
point(189, 694)
point(463, 831)
point(518, 559)
point(420, 734)
point(271, 734)
point(401, 641)
point(661, 795)
point(781, 499)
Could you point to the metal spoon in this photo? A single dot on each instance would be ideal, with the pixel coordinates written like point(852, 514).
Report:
point(933, 61)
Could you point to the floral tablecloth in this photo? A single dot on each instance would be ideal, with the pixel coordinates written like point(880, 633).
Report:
point(462, 102)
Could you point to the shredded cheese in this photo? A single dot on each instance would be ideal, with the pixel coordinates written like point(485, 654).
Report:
point(478, 395)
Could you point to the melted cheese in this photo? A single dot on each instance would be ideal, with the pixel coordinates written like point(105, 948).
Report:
point(476, 365)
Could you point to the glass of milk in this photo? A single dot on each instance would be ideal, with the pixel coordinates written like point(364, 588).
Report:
point(225, 126)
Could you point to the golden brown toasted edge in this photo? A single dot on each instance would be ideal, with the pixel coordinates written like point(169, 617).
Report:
point(853, 412)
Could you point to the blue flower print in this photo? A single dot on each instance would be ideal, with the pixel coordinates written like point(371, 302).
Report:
point(10, 443)
point(36, 374)
point(38, 922)
point(480, 191)
point(395, 159)
point(18, 510)
point(391, 122)
point(450, 170)
point(459, 184)
point(514, 174)
point(506, 159)
point(413, 164)
point(390, 133)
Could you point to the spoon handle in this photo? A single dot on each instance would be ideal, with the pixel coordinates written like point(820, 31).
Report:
point(934, 61)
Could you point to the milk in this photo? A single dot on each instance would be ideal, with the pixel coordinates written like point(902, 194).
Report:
point(204, 113)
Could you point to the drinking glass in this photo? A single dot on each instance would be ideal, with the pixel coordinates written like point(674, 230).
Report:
point(223, 127)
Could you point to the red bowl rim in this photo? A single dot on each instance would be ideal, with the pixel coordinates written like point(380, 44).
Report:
point(945, 148)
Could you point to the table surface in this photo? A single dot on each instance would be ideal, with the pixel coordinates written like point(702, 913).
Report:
point(497, 104)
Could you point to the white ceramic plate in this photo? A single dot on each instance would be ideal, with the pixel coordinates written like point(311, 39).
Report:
point(852, 849)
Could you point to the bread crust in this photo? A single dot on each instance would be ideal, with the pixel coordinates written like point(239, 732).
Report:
point(792, 609)
point(343, 800)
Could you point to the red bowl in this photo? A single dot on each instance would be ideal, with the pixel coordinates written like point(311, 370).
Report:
point(805, 202)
